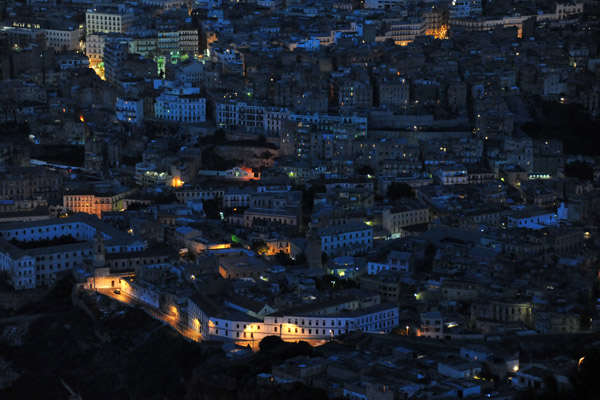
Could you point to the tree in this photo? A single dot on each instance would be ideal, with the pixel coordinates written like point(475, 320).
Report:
point(308, 197)
point(262, 140)
point(220, 135)
point(580, 169)
point(270, 344)
point(282, 258)
point(324, 258)
point(211, 209)
point(136, 206)
point(303, 348)
point(260, 246)
point(399, 190)
point(586, 375)
point(301, 259)
point(365, 170)
point(166, 198)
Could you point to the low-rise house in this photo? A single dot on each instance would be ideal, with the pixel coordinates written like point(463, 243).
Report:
point(239, 267)
point(458, 368)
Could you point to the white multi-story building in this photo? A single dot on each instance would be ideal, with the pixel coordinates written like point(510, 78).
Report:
point(72, 60)
point(272, 5)
point(94, 47)
point(396, 261)
point(519, 152)
point(238, 114)
point(129, 109)
point(181, 104)
point(568, 9)
point(62, 39)
point(326, 122)
point(115, 54)
point(166, 5)
point(452, 175)
point(274, 117)
point(346, 240)
point(29, 267)
point(188, 193)
point(432, 325)
point(404, 214)
point(384, 4)
point(234, 114)
point(237, 197)
point(91, 203)
point(380, 318)
point(190, 71)
point(108, 18)
point(215, 323)
point(404, 30)
point(465, 8)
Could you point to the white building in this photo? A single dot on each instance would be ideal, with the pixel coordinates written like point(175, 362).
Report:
point(237, 114)
point(108, 18)
point(72, 60)
point(272, 5)
point(404, 30)
point(532, 219)
point(432, 325)
point(458, 368)
point(181, 104)
point(166, 5)
point(237, 197)
point(404, 214)
point(396, 261)
point(216, 323)
point(30, 267)
point(94, 47)
point(384, 4)
point(191, 71)
point(452, 175)
point(129, 109)
point(62, 39)
point(465, 8)
point(346, 240)
point(568, 9)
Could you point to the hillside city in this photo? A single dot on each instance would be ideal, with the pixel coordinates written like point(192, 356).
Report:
point(336, 199)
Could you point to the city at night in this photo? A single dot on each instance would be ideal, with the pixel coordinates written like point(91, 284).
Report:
point(300, 199)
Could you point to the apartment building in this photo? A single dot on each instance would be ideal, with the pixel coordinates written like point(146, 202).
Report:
point(22, 183)
point(95, 203)
point(130, 110)
point(29, 266)
point(345, 240)
point(218, 323)
point(108, 18)
point(181, 104)
point(403, 214)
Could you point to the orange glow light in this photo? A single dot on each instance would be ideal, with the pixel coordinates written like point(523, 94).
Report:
point(177, 182)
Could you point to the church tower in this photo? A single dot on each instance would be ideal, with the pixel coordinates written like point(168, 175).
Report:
point(313, 251)
point(99, 250)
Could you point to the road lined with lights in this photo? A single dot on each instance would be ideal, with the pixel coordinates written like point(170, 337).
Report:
point(175, 323)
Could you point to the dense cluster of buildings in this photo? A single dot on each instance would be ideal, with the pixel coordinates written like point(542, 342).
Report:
point(311, 170)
